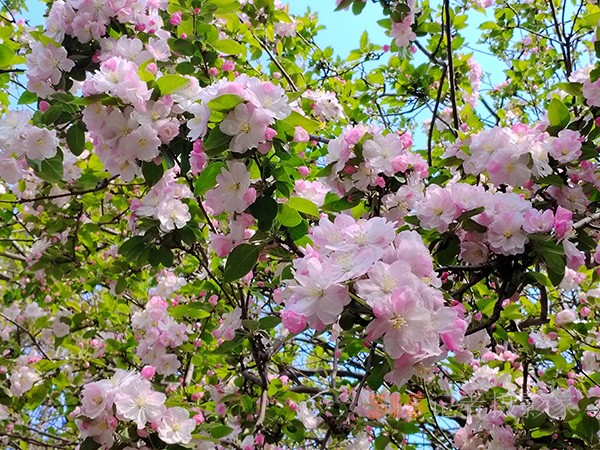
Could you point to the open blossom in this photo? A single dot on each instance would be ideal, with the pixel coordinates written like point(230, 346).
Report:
point(506, 235)
point(40, 143)
point(381, 152)
point(233, 192)
point(164, 202)
point(315, 296)
point(567, 146)
point(325, 104)
point(47, 62)
point(402, 32)
point(176, 427)
point(140, 403)
point(437, 210)
point(231, 322)
point(97, 398)
point(404, 324)
point(22, 380)
point(247, 124)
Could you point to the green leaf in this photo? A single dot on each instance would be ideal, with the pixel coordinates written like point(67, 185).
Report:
point(52, 114)
point(295, 431)
point(216, 142)
point(264, 209)
point(132, 247)
point(357, 8)
point(534, 419)
point(152, 172)
point(381, 442)
point(6, 55)
point(89, 444)
point(229, 47)
point(269, 322)
point(344, 4)
point(121, 285)
point(37, 395)
point(227, 347)
point(76, 138)
point(471, 225)
point(225, 102)
point(304, 206)
point(50, 169)
point(191, 310)
point(185, 68)
point(586, 427)
point(183, 47)
point(575, 89)
point(240, 261)
point(171, 83)
point(289, 217)
point(225, 6)
point(27, 97)
point(220, 431)
point(296, 119)
point(207, 178)
point(558, 113)
point(552, 255)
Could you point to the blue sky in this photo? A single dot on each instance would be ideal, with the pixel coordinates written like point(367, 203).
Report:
point(343, 29)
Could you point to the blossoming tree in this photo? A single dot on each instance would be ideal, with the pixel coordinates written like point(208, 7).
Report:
point(218, 235)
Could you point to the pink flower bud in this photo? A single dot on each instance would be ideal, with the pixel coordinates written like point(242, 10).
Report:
point(44, 105)
point(175, 18)
point(300, 135)
point(270, 133)
point(303, 171)
point(148, 372)
point(152, 68)
point(213, 71)
point(228, 66)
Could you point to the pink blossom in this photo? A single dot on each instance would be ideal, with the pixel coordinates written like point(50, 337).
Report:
point(537, 221)
point(231, 192)
point(140, 403)
point(437, 210)
point(565, 317)
point(506, 235)
point(567, 146)
point(175, 18)
point(231, 322)
point(562, 222)
point(301, 135)
point(293, 322)
point(176, 427)
point(404, 324)
point(247, 125)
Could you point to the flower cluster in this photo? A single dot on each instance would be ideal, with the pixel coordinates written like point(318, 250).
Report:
point(402, 32)
point(128, 397)
point(502, 223)
point(163, 202)
point(20, 138)
point(512, 156)
point(260, 104)
point(157, 332)
point(122, 137)
point(392, 274)
point(361, 158)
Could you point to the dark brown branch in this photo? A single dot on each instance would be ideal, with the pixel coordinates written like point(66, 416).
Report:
point(438, 99)
point(452, 81)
